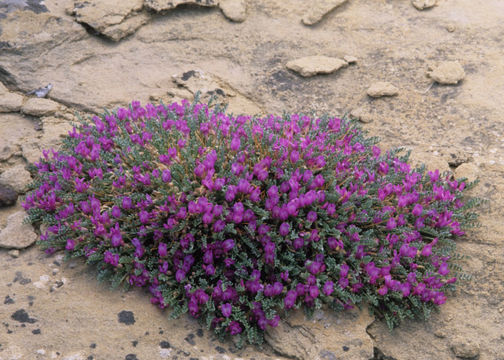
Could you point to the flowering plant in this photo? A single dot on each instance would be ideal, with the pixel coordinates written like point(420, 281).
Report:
point(236, 220)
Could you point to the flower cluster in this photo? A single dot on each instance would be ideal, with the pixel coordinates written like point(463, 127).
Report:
point(236, 220)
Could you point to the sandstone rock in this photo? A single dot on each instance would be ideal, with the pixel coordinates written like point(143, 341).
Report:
point(469, 171)
point(318, 9)
point(17, 235)
point(14, 130)
point(114, 19)
point(17, 177)
point(8, 196)
point(23, 51)
point(382, 88)
point(361, 114)
point(328, 336)
point(40, 107)
point(14, 253)
point(447, 73)
point(313, 65)
point(10, 102)
point(423, 4)
point(465, 350)
point(211, 85)
point(235, 10)
point(350, 59)
point(162, 5)
point(431, 161)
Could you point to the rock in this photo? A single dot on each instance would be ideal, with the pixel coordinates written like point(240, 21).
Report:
point(10, 102)
point(313, 65)
point(26, 52)
point(465, 350)
point(14, 253)
point(423, 4)
point(331, 336)
point(162, 5)
point(114, 19)
point(467, 170)
point(431, 161)
point(40, 107)
point(350, 59)
point(17, 235)
point(318, 9)
point(17, 177)
point(447, 73)
point(211, 85)
point(361, 114)
point(234, 10)
point(8, 196)
point(451, 27)
point(382, 88)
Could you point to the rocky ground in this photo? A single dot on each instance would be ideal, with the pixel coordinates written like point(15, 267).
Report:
point(423, 74)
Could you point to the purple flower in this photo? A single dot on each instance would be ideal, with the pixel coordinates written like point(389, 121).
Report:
point(234, 328)
point(166, 176)
point(284, 229)
point(111, 258)
point(328, 288)
point(70, 244)
point(312, 216)
point(116, 212)
point(228, 245)
point(290, 299)
point(226, 309)
point(180, 275)
point(417, 210)
point(162, 249)
point(126, 203)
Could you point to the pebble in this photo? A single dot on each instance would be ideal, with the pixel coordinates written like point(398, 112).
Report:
point(16, 177)
point(8, 196)
point(313, 65)
point(362, 115)
point(234, 10)
point(319, 8)
point(17, 235)
point(43, 280)
point(423, 4)
point(41, 351)
point(14, 253)
point(450, 27)
point(382, 88)
point(40, 107)
point(350, 59)
point(447, 73)
point(465, 350)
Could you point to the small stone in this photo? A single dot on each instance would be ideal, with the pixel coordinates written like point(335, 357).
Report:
point(465, 350)
point(14, 253)
point(162, 5)
point(17, 235)
point(17, 177)
point(10, 102)
point(450, 27)
point(423, 4)
point(234, 10)
point(126, 317)
point(440, 334)
point(318, 9)
point(8, 196)
point(382, 88)
point(350, 59)
point(40, 107)
point(41, 351)
point(447, 73)
point(313, 65)
point(362, 115)
point(55, 271)
point(467, 170)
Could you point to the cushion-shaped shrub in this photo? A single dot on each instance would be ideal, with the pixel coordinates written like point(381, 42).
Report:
point(236, 220)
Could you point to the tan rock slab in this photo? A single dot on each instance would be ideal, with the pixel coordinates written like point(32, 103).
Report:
point(17, 235)
point(17, 177)
point(382, 88)
point(362, 114)
point(10, 102)
point(447, 73)
point(40, 107)
point(327, 336)
point(470, 171)
point(423, 4)
point(313, 65)
point(162, 5)
point(431, 161)
point(234, 10)
point(350, 59)
point(114, 19)
point(318, 9)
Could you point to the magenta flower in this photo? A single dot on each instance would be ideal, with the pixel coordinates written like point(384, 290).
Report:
point(226, 309)
point(284, 229)
point(162, 249)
